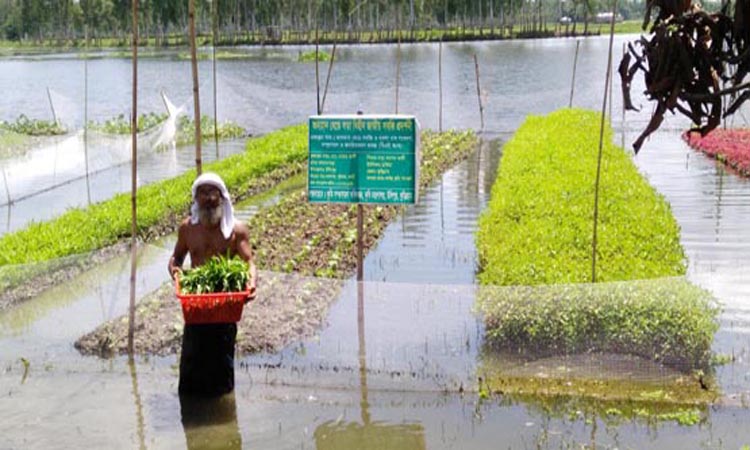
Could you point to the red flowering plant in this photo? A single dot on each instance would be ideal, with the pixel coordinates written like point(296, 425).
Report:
point(732, 147)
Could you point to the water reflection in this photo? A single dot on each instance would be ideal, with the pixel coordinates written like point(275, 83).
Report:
point(369, 434)
point(210, 423)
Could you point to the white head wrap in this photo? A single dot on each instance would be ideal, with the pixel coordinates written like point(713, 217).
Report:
point(227, 219)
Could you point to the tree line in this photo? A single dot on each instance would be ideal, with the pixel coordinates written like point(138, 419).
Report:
point(73, 21)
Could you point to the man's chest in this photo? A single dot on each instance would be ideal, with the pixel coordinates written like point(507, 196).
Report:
point(204, 246)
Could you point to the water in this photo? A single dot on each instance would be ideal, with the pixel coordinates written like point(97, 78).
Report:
point(398, 372)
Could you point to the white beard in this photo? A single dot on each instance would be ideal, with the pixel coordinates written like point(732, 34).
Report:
point(211, 216)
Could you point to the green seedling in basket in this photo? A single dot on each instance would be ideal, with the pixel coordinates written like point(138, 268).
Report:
point(218, 274)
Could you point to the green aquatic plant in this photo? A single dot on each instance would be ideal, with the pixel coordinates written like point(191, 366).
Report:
point(226, 130)
point(121, 124)
point(33, 127)
point(309, 56)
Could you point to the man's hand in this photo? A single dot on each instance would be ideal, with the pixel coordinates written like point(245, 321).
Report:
point(253, 292)
point(173, 271)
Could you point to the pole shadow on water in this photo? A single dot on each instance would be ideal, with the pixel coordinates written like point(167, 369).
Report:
point(369, 434)
point(210, 422)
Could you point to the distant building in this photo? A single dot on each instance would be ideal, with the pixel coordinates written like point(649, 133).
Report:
point(606, 17)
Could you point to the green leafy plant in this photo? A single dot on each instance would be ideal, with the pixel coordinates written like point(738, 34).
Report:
point(121, 124)
point(33, 127)
point(218, 274)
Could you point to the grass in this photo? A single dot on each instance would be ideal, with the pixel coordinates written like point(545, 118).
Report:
point(537, 231)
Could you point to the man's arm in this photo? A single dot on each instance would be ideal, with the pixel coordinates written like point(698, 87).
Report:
point(179, 253)
point(246, 253)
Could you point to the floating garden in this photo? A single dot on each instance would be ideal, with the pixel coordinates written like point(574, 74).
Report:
point(535, 246)
point(302, 267)
point(731, 147)
point(185, 127)
point(27, 254)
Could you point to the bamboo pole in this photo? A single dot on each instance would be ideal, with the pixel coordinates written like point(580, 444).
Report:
point(479, 92)
point(573, 81)
point(328, 78)
point(133, 186)
point(196, 94)
point(398, 67)
point(440, 86)
point(317, 68)
point(7, 189)
point(214, 26)
point(86, 122)
point(52, 107)
point(601, 143)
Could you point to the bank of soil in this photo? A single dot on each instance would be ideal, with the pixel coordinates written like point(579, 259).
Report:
point(293, 242)
point(288, 307)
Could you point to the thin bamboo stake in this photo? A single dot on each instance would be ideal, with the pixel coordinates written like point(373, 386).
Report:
point(479, 92)
point(601, 143)
point(52, 106)
point(328, 78)
point(7, 189)
point(214, 25)
point(196, 94)
point(573, 81)
point(86, 122)
point(317, 68)
point(398, 66)
point(440, 86)
point(133, 186)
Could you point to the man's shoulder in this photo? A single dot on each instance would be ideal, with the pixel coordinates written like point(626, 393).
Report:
point(241, 229)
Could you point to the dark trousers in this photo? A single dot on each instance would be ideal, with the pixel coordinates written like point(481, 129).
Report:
point(207, 359)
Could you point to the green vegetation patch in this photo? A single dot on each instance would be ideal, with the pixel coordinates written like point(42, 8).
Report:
point(185, 127)
point(668, 320)
point(33, 127)
point(82, 230)
point(537, 230)
point(310, 56)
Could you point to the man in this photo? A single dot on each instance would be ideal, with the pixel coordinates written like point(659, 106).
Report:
point(207, 359)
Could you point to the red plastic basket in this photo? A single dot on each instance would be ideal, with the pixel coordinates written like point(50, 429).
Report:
point(218, 307)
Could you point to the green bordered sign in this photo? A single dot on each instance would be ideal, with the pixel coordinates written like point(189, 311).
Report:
point(363, 159)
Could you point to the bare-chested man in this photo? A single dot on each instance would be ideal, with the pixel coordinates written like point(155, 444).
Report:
point(207, 359)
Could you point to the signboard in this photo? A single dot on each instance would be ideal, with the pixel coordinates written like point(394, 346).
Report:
point(363, 159)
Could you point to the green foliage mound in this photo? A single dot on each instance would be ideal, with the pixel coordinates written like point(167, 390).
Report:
point(537, 230)
point(538, 227)
point(668, 320)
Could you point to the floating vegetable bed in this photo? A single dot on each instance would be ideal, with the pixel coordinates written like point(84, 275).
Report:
point(537, 231)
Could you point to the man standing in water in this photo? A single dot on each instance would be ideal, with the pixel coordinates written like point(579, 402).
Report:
point(207, 359)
